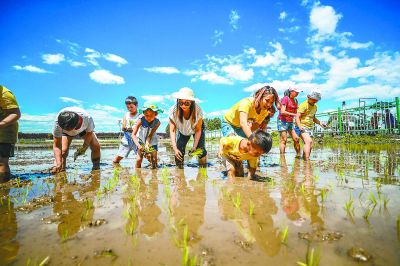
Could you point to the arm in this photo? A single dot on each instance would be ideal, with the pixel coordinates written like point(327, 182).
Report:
point(197, 134)
point(134, 132)
point(87, 139)
point(12, 115)
point(297, 118)
point(58, 160)
point(244, 125)
point(316, 121)
point(152, 132)
point(284, 112)
point(123, 123)
point(172, 134)
point(252, 167)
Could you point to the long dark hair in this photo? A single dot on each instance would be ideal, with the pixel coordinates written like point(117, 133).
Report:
point(263, 92)
point(179, 112)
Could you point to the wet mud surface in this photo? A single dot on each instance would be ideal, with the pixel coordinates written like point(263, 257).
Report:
point(343, 206)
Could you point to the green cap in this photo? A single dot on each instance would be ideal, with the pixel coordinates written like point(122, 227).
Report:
point(152, 106)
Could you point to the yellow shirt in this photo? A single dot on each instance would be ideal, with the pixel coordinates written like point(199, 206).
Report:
point(232, 116)
point(307, 112)
point(7, 101)
point(231, 150)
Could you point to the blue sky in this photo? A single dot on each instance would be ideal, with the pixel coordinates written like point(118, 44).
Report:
point(94, 53)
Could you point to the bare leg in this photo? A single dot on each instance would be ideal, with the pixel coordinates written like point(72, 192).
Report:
point(117, 159)
point(307, 145)
point(203, 161)
point(95, 148)
point(282, 145)
point(154, 161)
point(4, 169)
point(296, 142)
point(139, 159)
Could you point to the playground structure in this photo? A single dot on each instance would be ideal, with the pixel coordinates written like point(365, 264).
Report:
point(370, 117)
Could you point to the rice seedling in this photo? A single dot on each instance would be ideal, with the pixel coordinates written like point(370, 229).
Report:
point(312, 258)
point(45, 261)
point(372, 199)
point(302, 189)
point(203, 173)
point(89, 204)
point(64, 235)
point(186, 260)
point(348, 206)
point(213, 182)
point(196, 153)
point(378, 184)
point(251, 208)
point(323, 193)
point(316, 178)
point(367, 213)
point(385, 200)
point(236, 200)
point(285, 235)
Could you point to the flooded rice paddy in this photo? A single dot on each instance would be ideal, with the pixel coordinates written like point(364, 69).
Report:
point(342, 208)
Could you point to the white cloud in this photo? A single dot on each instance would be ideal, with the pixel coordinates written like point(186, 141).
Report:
point(106, 77)
point(214, 78)
point(345, 43)
point(238, 73)
point(216, 113)
point(233, 19)
point(53, 59)
point(254, 87)
point(107, 108)
point(369, 91)
point(217, 37)
point(31, 68)
point(70, 100)
point(274, 58)
point(290, 29)
point(304, 75)
point(282, 15)
point(385, 67)
point(115, 58)
point(323, 19)
point(38, 118)
point(92, 56)
point(76, 64)
point(163, 70)
point(299, 60)
point(156, 98)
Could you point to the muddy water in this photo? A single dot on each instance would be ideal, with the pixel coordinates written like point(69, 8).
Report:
point(120, 216)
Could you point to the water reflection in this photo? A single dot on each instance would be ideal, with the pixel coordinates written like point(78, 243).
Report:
point(74, 211)
point(187, 204)
point(250, 207)
point(9, 246)
point(149, 211)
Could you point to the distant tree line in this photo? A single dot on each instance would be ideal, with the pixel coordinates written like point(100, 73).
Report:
point(211, 124)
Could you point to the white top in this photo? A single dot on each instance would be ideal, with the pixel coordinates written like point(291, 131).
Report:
point(185, 127)
point(87, 123)
point(130, 120)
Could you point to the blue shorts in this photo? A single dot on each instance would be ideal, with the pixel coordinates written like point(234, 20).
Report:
point(284, 126)
point(306, 130)
point(227, 129)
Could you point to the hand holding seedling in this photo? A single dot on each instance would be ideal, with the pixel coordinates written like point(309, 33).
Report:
point(178, 154)
point(196, 152)
point(80, 152)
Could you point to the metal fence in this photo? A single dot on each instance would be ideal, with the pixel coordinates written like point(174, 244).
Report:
point(370, 117)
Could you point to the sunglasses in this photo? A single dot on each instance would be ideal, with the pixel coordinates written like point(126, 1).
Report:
point(185, 103)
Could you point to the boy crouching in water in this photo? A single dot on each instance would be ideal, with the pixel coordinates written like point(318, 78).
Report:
point(235, 149)
point(147, 142)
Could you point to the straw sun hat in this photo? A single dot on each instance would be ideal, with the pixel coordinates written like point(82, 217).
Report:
point(185, 94)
